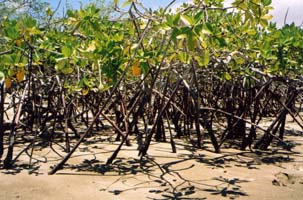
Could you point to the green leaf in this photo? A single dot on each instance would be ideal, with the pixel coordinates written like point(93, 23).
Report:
point(67, 70)
point(66, 51)
point(11, 32)
point(207, 29)
point(2, 75)
point(251, 32)
point(239, 60)
point(267, 2)
point(169, 19)
point(256, 1)
point(70, 13)
point(183, 57)
point(187, 20)
point(175, 33)
point(198, 17)
point(86, 82)
point(191, 41)
point(204, 59)
point(176, 19)
point(61, 63)
point(181, 36)
point(222, 42)
point(264, 23)
point(227, 76)
point(11, 59)
point(34, 31)
point(28, 22)
point(144, 67)
point(126, 3)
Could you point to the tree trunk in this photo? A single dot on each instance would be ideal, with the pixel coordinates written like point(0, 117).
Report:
point(2, 99)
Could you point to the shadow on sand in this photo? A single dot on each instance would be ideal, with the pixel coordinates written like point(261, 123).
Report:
point(165, 179)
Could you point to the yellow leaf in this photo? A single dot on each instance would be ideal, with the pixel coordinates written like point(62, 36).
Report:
point(101, 87)
point(18, 43)
point(116, 2)
point(49, 11)
point(263, 22)
point(8, 83)
point(92, 46)
point(227, 76)
point(126, 50)
point(72, 20)
point(267, 17)
point(20, 76)
point(186, 20)
point(136, 70)
point(85, 92)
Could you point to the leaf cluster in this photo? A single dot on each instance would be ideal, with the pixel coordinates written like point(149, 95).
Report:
point(91, 51)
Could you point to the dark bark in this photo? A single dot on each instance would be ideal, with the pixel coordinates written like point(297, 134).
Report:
point(145, 147)
point(2, 128)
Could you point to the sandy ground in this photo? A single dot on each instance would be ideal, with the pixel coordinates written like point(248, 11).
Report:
point(187, 174)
